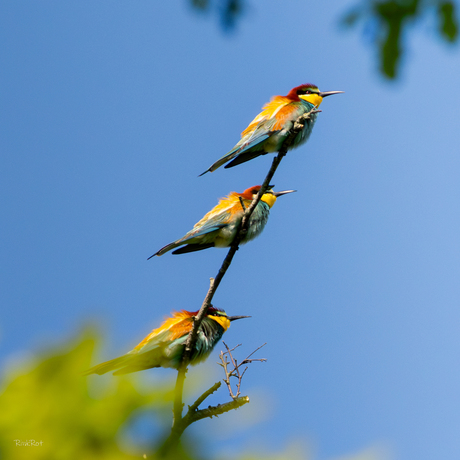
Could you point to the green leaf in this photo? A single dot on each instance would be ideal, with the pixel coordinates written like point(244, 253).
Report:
point(448, 23)
point(393, 17)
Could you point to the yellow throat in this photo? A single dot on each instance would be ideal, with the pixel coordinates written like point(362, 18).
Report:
point(314, 98)
point(268, 198)
point(222, 320)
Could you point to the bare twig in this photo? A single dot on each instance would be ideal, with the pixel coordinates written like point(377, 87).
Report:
point(234, 348)
point(242, 204)
point(235, 372)
point(247, 360)
point(224, 363)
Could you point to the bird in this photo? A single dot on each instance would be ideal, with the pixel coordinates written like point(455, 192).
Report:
point(267, 132)
point(164, 346)
point(219, 226)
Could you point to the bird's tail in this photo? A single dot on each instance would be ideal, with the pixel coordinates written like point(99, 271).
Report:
point(193, 248)
point(165, 249)
point(239, 150)
point(108, 366)
point(243, 157)
point(227, 157)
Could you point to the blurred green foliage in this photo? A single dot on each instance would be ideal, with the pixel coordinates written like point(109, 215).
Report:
point(51, 404)
point(390, 21)
point(387, 22)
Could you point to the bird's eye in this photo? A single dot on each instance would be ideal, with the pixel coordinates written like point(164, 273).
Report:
point(303, 91)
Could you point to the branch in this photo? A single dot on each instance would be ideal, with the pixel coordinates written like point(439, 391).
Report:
point(214, 282)
point(194, 414)
point(214, 411)
point(207, 393)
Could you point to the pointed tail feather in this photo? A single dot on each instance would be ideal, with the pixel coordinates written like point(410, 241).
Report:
point(243, 157)
point(165, 249)
point(134, 368)
point(193, 247)
point(227, 157)
point(238, 151)
point(108, 366)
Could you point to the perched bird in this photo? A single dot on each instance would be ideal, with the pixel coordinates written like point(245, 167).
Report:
point(267, 132)
point(219, 226)
point(164, 346)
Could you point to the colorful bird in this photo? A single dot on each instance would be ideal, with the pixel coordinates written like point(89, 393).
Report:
point(267, 132)
point(219, 226)
point(164, 346)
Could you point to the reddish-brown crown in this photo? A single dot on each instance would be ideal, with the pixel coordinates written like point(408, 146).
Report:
point(211, 310)
point(293, 94)
point(249, 192)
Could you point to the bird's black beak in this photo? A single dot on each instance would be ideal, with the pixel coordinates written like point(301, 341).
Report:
point(329, 93)
point(232, 318)
point(283, 192)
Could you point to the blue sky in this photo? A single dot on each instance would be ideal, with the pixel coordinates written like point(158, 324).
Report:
point(110, 110)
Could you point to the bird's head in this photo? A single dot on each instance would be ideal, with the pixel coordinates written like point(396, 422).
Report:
point(220, 317)
point(268, 197)
point(309, 93)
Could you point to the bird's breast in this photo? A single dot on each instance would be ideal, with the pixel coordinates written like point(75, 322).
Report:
point(224, 238)
point(209, 334)
point(257, 221)
point(308, 126)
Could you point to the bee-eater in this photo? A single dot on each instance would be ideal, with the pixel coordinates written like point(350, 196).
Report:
point(219, 226)
point(267, 132)
point(164, 346)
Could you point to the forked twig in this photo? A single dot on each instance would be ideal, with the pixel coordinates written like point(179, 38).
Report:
point(235, 372)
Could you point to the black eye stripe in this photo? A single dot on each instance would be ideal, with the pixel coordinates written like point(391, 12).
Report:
point(305, 91)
